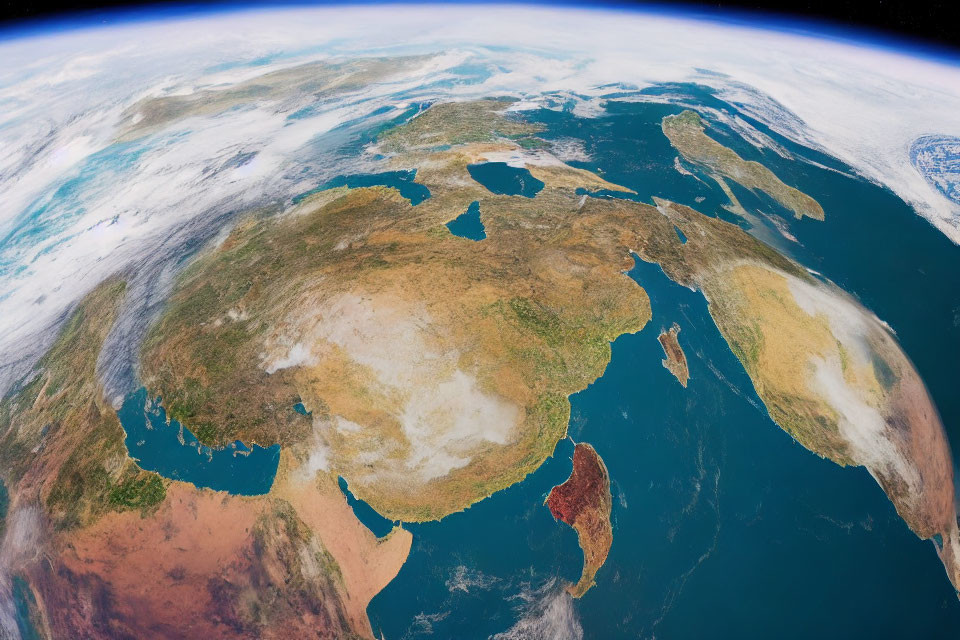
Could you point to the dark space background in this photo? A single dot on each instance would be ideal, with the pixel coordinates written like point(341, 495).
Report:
point(933, 23)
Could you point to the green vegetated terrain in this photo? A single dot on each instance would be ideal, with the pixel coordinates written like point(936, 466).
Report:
point(59, 437)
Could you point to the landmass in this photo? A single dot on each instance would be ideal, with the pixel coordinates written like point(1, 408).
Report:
point(354, 330)
point(584, 502)
point(486, 341)
point(676, 360)
point(126, 553)
point(510, 327)
point(484, 347)
point(303, 83)
point(830, 373)
point(687, 135)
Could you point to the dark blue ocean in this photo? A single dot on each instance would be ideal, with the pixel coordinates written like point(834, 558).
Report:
point(723, 525)
point(170, 449)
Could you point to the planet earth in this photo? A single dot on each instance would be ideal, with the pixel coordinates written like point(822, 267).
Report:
point(476, 321)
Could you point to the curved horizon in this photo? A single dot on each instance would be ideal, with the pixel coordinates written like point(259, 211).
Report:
point(415, 251)
point(774, 21)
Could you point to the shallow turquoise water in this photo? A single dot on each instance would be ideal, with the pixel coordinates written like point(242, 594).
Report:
point(23, 603)
point(55, 212)
point(357, 134)
point(723, 525)
point(501, 178)
point(468, 224)
point(171, 450)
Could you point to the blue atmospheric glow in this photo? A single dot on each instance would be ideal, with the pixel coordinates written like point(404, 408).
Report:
point(797, 25)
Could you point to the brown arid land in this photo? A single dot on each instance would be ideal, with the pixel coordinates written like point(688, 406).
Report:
point(436, 371)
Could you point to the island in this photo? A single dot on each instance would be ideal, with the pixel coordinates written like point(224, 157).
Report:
point(676, 360)
point(584, 502)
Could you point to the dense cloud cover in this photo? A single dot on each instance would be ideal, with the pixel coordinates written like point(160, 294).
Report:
point(81, 202)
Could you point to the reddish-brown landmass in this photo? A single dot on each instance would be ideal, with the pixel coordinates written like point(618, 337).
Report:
point(676, 360)
point(209, 565)
point(584, 502)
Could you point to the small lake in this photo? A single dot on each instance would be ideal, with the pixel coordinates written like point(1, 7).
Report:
point(170, 449)
point(468, 224)
point(301, 409)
